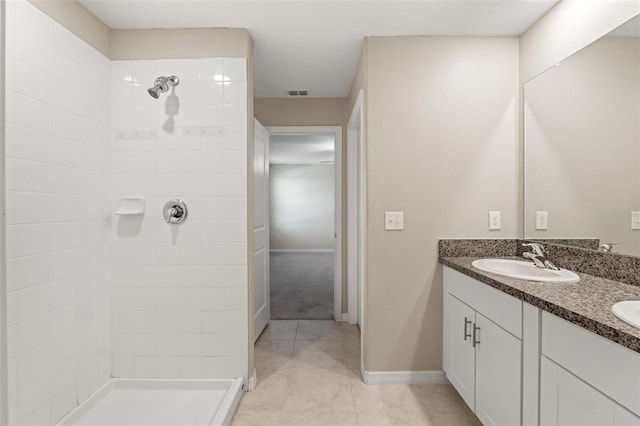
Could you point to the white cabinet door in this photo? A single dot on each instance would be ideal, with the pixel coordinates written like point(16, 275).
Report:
point(460, 352)
point(566, 400)
point(498, 374)
point(623, 417)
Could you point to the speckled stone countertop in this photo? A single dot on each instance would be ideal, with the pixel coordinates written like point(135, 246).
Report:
point(586, 303)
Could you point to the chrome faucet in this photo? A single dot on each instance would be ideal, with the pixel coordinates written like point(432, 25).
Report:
point(539, 256)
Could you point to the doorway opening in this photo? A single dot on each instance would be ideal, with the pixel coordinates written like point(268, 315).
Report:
point(305, 193)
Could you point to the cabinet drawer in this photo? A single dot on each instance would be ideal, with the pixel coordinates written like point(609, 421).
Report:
point(612, 369)
point(499, 307)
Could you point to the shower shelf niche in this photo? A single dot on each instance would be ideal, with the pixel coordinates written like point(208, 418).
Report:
point(131, 206)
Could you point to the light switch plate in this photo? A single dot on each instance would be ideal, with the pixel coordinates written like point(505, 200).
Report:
point(495, 221)
point(542, 220)
point(394, 221)
point(635, 220)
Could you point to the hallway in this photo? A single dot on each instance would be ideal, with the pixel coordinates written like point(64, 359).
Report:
point(301, 285)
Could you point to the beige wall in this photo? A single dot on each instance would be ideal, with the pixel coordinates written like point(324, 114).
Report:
point(179, 43)
point(302, 112)
point(582, 138)
point(312, 112)
point(77, 19)
point(302, 206)
point(442, 147)
point(567, 28)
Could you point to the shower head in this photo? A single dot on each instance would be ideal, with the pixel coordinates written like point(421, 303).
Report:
point(162, 84)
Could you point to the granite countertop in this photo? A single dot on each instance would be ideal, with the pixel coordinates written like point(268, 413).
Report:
point(586, 303)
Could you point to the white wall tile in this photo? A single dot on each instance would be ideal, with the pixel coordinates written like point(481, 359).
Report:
point(27, 80)
point(31, 50)
point(167, 279)
point(33, 394)
point(191, 322)
point(169, 344)
point(190, 345)
point(168, 367)
point(211, 69)
point(33, 301)
point(235, 366)
point(235, 344)
point(31, 113)
point(63, 401)
point(235, 69)
point(213, 367)
point(190, 367)
point(40, 416)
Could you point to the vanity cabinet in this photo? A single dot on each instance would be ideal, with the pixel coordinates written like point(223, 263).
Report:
point(586, 379)
point(483, 348)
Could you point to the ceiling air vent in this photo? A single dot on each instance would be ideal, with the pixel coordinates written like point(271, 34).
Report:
point(298, 93)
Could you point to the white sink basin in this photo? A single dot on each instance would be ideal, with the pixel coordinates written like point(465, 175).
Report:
point(525, 270)
point(628, 311)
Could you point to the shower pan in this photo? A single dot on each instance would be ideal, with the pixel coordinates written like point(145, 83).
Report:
point(135, 402)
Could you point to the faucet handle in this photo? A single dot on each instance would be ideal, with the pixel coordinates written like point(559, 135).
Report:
point(607, 247)
point(536, 248)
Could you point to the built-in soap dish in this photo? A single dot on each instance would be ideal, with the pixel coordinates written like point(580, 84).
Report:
point(130, 206)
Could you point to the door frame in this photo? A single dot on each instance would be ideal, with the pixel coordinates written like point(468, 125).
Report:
point(356, 213)
point(337, 268)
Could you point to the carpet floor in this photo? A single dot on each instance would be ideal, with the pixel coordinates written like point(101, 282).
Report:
point(301, 285)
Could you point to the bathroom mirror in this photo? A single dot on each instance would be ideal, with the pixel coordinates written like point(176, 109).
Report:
point(582, 145)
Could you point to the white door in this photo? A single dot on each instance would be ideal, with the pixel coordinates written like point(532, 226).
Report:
point(262, 311)
point(498, 374)
point(460, 362)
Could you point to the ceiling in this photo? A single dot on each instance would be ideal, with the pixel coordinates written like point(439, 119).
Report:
point(308, 148)
point(315, 45)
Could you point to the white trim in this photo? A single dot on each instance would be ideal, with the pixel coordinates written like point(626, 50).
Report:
point(252, 382)
point(337, 132)
point(4, 352)
point(301, 250)
point(355, 210)
point(404, 377)
point(345, 317)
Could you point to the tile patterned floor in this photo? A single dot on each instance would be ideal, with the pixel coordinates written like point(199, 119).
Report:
point(309, 374)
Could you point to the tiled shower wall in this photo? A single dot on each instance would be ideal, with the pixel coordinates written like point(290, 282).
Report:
point(180, 291)
point(58, 217)
point(81, 131)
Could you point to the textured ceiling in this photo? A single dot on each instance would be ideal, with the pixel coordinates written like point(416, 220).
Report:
point(315, 45)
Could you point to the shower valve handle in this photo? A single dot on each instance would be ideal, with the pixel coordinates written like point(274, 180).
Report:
point(175, 211)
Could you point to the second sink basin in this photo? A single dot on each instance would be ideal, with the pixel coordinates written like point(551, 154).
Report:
point(525, 270)
point(628, 311)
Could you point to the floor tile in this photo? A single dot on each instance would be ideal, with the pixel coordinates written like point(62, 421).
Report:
point(314, 389)
point(273, 354)
point(318, 418)
point(319, 354)
point(280, 330)
point(270, 393)
point(319, 330)
point(309, 375)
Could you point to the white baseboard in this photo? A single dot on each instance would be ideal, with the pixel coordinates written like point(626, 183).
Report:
point(252, 382)
point(301, 250)
point(403, 377)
